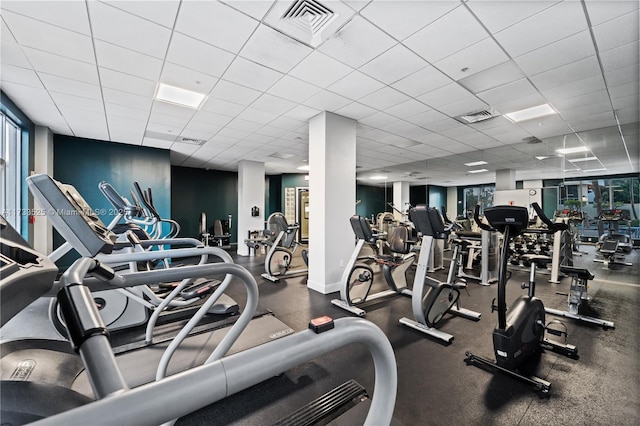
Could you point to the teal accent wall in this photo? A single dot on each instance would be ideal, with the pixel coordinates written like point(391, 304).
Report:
point(273, 203)
point(197, 190)
point(372, 200)
point(84, 163)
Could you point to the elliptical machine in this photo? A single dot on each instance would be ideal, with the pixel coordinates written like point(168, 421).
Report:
point(521, 333)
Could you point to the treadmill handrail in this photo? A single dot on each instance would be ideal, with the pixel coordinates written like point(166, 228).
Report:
point(155, 403)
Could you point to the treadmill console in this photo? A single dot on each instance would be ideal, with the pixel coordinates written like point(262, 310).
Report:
point(71, 216)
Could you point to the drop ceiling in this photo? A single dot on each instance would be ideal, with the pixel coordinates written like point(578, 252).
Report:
point(403, 69)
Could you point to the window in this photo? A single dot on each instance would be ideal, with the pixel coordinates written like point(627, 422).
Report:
point(10, 171)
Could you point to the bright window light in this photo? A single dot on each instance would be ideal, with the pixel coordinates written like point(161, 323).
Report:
point(305, 167)
point(573, 150)
point(476, 163)
point(531, 113)
point(178, 96)
point(577, 160)
point(478, 171)
point(378, 177)
point(306, 177)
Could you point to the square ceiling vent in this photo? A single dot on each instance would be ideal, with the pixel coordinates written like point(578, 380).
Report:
point(309, 21)
point(477, 116)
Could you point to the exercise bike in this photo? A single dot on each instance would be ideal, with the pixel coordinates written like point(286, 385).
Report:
point(357, 279)
point(277, 263)
point(521, 332)
point(431, 299)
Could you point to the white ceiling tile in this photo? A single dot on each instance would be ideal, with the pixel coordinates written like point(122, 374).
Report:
point(63, 100)
point(407, 109)
point(22, 76)
point(421, 82)
point(302, 113)
point(197, 126)
point(162, 12)
point(187, 78)
point(126, 82)
point(233, 133)
point(498, 15)
point(574, 88)
point(384, 98)
point(624, 90)
point(356, 111)
point(272, 131)
point(425, 118)
point(273, 104)
point(293, 89)
point(123, 111)
point(565, 74)
point(327, 101)
point(622, 75)
point(127, 61)
point(287, 123)
point(72, 87)
point(125, 135)
point(119, 97)
point(207, 118)
point(463, 106)
point(551, 125)
point(518, 103)
point(71, 15)
point(221, 106)
point(625, 102)
point(232, 92)
point(586, 110)
point(356, 85)
point(251, 74)
point(257, 116)
point(617, 32)
point(184, 148)
point(548, 26)
point(132, 32)
point(61, 66)
point(172, 122)
point(12, 54)
point(458, 28)
point(442, 125)
point(156, 143)
point(173, 110)
point(215, 23)
point(26, 97)
point(394, 64)
point(602, 11)
point(191, 53)
point(378, 119)
point(241, 124)
point(475, 58)
point(581, 100)
point(444, 95)
point(357, 43)
point(274, 50)
point(620, 57)
point(565, 51)
point(40, 35)
point(495, 76)
point(320, 70)
point(403, 18)
point(508, 92)
point(255, 8)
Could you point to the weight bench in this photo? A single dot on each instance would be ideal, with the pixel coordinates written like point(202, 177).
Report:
point(610, 255)
point(580, 278)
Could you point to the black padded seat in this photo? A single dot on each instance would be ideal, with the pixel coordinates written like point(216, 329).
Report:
point(469, 234)
point(540, 259)
point(580, 273)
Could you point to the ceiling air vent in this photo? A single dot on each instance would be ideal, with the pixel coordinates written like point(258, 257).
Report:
point(192, 141)
point(309, 15)
point(475, 117)
point(531, 140)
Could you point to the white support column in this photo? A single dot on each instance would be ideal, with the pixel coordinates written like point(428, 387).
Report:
point(400, 199)
point(505, 179)
point(250, 194)
point(452, 202)
point(332, 194)
point(43, 163)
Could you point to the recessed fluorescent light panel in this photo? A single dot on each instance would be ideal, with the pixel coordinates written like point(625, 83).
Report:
point(577, 160)
point(478, 171)
point(305, 167)
point(595, 170)
point(542, 157)
point(573, 150)
point(378, 177)
point(179, 96)
point(476, 163)
point(531, 113)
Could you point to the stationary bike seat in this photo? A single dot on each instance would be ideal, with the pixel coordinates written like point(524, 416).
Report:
point(580, 273)
point(540, 259)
